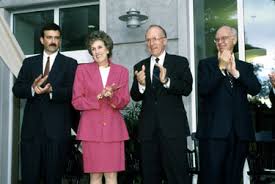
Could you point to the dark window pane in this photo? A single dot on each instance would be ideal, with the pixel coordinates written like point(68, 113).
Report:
point(76, 23)
point(208, 16)
point(27, 28)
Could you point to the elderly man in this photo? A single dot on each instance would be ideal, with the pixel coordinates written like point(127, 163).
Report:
point(225, 125)
point(160, 81)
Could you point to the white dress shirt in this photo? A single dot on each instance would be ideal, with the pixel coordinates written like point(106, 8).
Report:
point(152, 64)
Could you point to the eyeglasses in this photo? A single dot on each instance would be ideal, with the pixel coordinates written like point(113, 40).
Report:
point(149, 40)
point(223, 39)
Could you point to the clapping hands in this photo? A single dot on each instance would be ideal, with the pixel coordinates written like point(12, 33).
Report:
point(37, 85)
point(272, 78)
point(227, 62)
point(108, 91)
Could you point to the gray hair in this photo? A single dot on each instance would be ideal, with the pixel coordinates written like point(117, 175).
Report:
point(158, 26)
point(234, 31)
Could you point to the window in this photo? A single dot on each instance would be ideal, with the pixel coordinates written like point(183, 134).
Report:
point(208, 16)
point(259, 43)
point(75, 23)
point(27, 28)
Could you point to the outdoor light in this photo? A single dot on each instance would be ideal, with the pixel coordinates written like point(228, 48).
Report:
point(133, 18)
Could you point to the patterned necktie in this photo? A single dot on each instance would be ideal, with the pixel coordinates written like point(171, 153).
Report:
point(155, 78)
point(230, 79)
point(47, 68)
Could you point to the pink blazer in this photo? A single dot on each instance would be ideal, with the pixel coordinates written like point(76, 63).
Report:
point(100, 120)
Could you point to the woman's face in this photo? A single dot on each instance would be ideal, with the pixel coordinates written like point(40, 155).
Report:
point(100, 52)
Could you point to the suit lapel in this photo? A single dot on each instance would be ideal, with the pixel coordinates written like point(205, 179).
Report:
point(166, 61)
point(168, 64)
point(96, 77)
point(111, 75)
point(57, 65)
point(147, 72)
point(38, 68)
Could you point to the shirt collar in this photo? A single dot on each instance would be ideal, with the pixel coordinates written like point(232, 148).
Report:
point(161, 58)
point(52, 56)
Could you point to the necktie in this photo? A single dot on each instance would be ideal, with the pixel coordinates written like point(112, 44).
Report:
point(155, 78)
point(47, 68)
point(230, 79)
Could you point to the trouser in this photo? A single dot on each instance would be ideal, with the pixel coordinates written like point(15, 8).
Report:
point(222, 160)
point(43, 160)
point(168, 155)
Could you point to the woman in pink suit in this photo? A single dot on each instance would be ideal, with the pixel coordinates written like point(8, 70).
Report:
point(100, 91)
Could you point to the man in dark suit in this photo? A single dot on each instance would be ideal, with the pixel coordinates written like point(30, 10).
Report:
point(225, 125)
point(272, 97)
point(48, 112)
point(160, 81)
point(272, 90)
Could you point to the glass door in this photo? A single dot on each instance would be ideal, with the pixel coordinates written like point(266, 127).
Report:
point(254, 20)
point(259, 38)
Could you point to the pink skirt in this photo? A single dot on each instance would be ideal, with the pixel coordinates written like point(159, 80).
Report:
point(103, 156)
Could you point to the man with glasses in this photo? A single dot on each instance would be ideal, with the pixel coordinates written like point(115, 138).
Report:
point(160, 81)
point(225, 125)
point(46, 81)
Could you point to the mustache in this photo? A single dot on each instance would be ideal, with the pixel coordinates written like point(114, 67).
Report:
point(53, 45)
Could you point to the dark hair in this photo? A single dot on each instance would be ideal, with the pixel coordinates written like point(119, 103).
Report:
point(50, 26)
point(100, 35)
point(158, 26)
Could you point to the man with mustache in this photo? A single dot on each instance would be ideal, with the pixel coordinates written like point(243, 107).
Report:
point(45, 81)
point(225, 124)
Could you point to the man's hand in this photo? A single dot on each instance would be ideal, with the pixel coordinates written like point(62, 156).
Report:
point(162, 73)
point(41, 90)
point(224, 59)
point(227, 62)
point(141, 76)
point(37, 83)
point(272, 78)
point(231, 68)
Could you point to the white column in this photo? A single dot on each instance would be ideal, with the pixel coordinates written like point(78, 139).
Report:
point(10, 51)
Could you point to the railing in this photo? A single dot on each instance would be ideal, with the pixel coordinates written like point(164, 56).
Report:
point(261, 159)
point(10, 51)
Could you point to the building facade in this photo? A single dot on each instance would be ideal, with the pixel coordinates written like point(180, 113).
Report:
point(190, 26)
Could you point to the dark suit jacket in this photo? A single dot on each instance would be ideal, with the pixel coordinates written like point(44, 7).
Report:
point(221, 107)
point(42, 115)
point(166, 103)
point(272, 98)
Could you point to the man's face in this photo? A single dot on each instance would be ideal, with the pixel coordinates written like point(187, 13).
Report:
point(156, 41)
point(51, 41)
point(225, 39)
